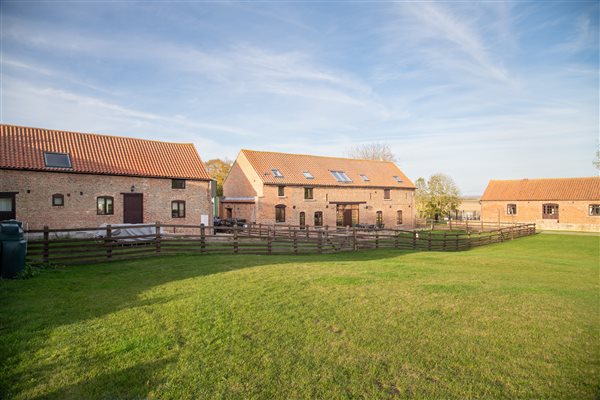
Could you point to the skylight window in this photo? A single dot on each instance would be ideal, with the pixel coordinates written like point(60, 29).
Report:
point(364, 178)
point(57, 160)
point(308, 175)
point(397, 178)
point(277, 173)
point(341, 176)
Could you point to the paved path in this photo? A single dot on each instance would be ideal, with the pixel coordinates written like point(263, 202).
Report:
point(571, 233)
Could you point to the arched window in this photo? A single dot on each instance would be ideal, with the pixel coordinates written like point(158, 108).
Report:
point(302, 219)
point(280, 213)
point(58, 200)
point(399, 217)
point(379, 220)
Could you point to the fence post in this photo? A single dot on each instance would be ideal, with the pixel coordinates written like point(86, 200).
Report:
point(354, 242)
point(457, 241)
point(429, 242)
point(468, 239)
point(235, 239)
point(414, 241)
point(376, 239)
point(467, 225)
point(396, 238)
point(450, 223)
point(269, 240)
point(444, 242)
point(260, 229)
point(295, 242)
point(108, 241)
point(202, 239)
point(320, 243)
point(157, 236)
point(46, 253)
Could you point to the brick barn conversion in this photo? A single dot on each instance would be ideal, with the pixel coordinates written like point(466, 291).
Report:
point(68, 179)
point(295, 189)
point(553, 204)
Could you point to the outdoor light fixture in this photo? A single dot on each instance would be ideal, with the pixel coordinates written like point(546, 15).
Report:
point(133, 188)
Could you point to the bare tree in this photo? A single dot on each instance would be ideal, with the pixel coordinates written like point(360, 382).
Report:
point(371, 151)
point(597, 160)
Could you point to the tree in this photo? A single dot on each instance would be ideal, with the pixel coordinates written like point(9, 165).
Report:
point(371, 151)
point(218, 170)
point(437, 197)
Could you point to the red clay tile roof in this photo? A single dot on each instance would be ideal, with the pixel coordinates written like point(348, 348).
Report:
point(292, 166)
point(544, 189)
point(23, 148)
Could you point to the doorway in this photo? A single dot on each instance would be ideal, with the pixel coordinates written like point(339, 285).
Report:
point(133, 208)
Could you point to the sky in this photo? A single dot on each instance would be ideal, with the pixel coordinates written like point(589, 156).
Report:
point(475, 90)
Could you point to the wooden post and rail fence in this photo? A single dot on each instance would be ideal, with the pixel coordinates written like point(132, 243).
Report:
point(93, 245)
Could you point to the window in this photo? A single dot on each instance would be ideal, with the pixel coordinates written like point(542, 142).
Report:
point(308, 193)
point(280, 191)
point(280, 213)
point(387, 194)
point(302, 219)
point(104, 205)
point(277, 173)
point(550, 211)
point(511, 209)
point(364, 178)
point(399, 217)
point(379, 221)
point(397, 178)
point(178, 209)
point(341, 176)
point(308, 175)
point(58, 200)
point(57, 160)
point(594, 210)
point(319, 218)
point(7, 205)
point(177, 183)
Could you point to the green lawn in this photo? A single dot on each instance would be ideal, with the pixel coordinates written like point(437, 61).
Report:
point(513, 320)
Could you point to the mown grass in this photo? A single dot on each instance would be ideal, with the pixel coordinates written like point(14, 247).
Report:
point(513, 320)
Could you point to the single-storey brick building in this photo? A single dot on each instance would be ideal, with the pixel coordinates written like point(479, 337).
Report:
point(295, 189)
point(69, 179)
point(553, 204)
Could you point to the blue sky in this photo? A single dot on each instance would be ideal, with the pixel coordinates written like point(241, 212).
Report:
point(479, 91)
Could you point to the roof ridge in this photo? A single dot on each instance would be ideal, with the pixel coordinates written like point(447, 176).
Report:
point(94, 134)
point(314, 155)
point(541, 179)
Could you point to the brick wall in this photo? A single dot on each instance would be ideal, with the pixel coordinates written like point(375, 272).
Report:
point(573, 215)
point(264, 210)
point(34, 200)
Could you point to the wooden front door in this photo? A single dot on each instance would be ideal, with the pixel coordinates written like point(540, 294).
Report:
point(133, 208)
point(7, 206)
point(348, 217)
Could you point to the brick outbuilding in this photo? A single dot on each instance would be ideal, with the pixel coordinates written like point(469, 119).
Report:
point(70, 179)
point(296, 189)
point(553, 204)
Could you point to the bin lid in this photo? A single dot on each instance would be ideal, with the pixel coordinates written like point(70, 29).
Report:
point(11, 230)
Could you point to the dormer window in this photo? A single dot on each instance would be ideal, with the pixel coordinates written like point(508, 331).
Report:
point(397, 178)
point(341, 176)
point(364, 178)
point(57, 160)
point(277, 173)
point(308, 175)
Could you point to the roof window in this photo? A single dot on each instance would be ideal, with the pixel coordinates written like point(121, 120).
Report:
point(57, 160)
point(277, 173)
point(308, 175)
point(364, 178)
point(340, 176)
point(397, 178)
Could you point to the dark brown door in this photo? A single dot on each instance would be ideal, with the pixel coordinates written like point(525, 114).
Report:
point(133, 208)
point(7, 206)
point(348, 217)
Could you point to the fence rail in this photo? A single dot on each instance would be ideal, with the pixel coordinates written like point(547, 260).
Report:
point(92, 245)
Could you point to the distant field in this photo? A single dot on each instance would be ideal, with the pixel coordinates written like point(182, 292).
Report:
point(516, 320)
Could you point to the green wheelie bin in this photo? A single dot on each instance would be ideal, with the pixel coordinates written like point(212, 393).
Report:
point(13, 248)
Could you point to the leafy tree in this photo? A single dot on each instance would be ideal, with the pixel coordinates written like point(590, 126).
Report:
point(437, 197)
point(371, 151)
point(218, 170)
